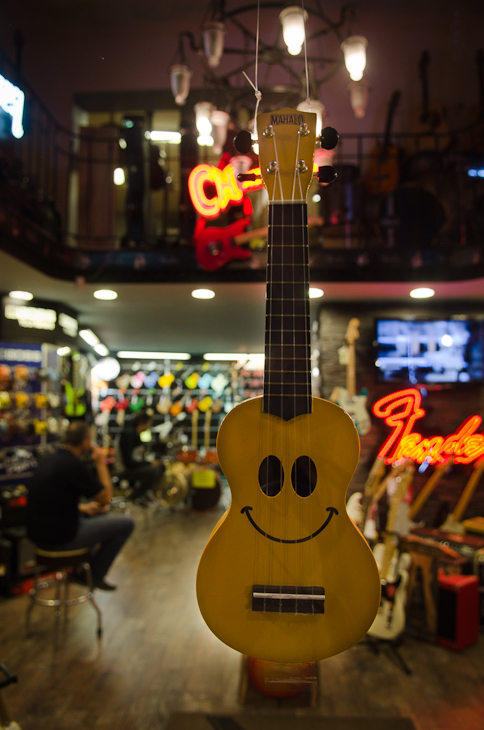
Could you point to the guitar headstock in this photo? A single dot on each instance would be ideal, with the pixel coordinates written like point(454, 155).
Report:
point(352, 331)
point(287, 139)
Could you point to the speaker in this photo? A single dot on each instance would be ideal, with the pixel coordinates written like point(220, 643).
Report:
point(458, 611)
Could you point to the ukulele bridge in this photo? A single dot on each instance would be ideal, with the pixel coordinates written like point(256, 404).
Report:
point(288, 599)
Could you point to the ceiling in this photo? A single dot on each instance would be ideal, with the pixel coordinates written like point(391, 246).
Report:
point(165, 317)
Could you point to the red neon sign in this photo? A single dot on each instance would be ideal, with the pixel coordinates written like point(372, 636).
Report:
point(228, 190)
point(400, 410)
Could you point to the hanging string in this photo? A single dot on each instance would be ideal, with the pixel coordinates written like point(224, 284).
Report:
point(308, 100)
point(257, 92)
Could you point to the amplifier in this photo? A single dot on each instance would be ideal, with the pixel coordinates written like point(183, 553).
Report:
point(13, 506)
point(5, 564)
point(458, 611)
point(23, 553)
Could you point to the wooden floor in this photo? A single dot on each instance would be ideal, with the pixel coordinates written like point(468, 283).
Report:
point(157, 656)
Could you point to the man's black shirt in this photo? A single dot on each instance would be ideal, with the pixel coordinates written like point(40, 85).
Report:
point(55, 489)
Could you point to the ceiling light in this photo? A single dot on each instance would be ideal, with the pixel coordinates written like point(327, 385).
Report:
point(101, 349)
point(203, 294)
point(128, 354)
point(160, 136)
point(205, 140)
point(89, 337)
point(213, 42)
point(63, 351)
point(230, 357)
point(118, 176)
point(105, 294)
point(354, 49)
point(315, 293)
point(293, 30)
point(180, 82)
point(203, 110)
point(422, 293)
point(25, 295)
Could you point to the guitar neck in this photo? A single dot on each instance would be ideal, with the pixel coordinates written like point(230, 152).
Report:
point(287, 374)
point(249, 235)
point(351, 371)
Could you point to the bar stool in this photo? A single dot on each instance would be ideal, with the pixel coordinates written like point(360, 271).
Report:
point(59, 562)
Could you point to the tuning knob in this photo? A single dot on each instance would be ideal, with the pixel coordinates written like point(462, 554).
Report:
point(329, 138)
point(243, 142)
point(327, 174)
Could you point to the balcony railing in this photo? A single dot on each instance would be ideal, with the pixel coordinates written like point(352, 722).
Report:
point(411, 210)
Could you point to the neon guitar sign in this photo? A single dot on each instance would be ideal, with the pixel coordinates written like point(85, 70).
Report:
point(228, 190)
point(401, 410)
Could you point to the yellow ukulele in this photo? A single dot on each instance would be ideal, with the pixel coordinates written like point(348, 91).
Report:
point(286, 576)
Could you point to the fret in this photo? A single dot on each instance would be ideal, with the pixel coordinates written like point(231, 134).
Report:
point(287, 337)
point(284, 322)
point(278, 351)
point(278, 371)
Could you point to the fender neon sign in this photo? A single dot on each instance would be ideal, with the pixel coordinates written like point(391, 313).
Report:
point(401, 410)
point(228, 190)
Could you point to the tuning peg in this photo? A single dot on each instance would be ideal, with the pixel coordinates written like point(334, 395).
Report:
point(329, 138)
point(250, 176)
point(243, 142)
point(327, 174)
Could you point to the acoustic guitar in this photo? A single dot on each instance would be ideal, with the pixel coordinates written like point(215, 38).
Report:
point(383, 170)
point(286, 576)
point(353, 404)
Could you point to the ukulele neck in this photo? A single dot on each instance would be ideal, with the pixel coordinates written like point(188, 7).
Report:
point(287, 374)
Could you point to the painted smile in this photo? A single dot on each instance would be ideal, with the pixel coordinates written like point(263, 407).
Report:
point(332, 511)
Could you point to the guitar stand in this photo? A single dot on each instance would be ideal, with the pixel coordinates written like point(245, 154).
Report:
point(392, 648)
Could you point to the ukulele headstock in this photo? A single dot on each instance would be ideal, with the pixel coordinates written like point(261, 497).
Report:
point(287, 139)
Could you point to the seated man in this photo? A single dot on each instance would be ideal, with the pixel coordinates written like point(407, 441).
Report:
point(130, 463)
point(56, 518)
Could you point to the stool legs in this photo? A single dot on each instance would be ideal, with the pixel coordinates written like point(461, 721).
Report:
point(62, 600)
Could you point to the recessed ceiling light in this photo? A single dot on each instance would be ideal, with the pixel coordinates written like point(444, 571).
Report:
point(105, 294)
point(203, 294)
point(128, 354)
point(25, 295)
point(422, 293)
point(315, 293)
point(63, 351)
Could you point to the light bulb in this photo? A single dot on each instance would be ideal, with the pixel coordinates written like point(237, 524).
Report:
point(293, 19)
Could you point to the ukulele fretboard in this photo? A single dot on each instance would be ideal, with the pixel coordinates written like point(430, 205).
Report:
point(287, 375)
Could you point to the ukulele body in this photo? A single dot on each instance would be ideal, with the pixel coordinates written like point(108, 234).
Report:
point(287, 540)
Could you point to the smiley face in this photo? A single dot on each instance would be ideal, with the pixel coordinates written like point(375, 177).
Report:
point(303, 479)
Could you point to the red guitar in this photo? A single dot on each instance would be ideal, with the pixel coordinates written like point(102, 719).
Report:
point(215, 247)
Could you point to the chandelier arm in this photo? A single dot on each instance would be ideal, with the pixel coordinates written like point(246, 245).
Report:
point(289, 70)
point(188, 34)
point(247, 32)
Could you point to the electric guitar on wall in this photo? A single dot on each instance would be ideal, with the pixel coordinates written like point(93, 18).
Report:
point(390, 619)
point(286, 576)
point(353, 404)
point(216, 246)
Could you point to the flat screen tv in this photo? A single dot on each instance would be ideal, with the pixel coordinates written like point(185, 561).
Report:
point(430, 351)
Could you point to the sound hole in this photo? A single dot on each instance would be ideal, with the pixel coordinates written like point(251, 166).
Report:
point(303, 476)
point(271, 476)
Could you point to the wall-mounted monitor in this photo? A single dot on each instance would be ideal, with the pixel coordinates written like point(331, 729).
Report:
point(430, 351)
